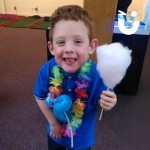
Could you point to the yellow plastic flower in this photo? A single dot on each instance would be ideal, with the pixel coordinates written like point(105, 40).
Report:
point(56, 81)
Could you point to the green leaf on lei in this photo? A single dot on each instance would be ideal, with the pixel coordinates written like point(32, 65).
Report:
point(86, 67)
point(58, 76)
point(77, 120)
point(74, 124)
point(56, 72)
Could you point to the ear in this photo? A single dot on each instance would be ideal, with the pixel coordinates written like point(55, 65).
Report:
point(93, 46)
point(50, 47)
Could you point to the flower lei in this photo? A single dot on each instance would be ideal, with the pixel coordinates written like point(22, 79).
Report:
point(78, 106)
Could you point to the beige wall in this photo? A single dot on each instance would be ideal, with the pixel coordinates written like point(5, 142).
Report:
point(27, 7)
point(2, 9)
point(46, 7)
point(139, 7)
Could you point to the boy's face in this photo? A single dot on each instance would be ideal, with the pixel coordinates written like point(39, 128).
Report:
point(71, 46)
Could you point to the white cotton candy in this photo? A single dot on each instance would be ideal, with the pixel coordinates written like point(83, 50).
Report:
point(112, 63)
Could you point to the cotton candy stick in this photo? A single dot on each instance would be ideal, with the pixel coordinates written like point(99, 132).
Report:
point(101, 113)
point(112, 63)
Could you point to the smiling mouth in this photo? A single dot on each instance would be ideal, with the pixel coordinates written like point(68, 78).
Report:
point(69, 61)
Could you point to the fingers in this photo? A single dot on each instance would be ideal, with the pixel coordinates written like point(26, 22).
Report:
point(55, 131)
point(55, 135)
point(108, 94)
point(108, 100)
point(105, 105)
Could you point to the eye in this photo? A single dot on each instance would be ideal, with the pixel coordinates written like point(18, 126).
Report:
point(78, 42)
point(60, 43)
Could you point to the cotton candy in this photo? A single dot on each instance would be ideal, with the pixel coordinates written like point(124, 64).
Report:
point(112, 63)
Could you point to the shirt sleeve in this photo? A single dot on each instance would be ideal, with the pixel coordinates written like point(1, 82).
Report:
point(42, 83)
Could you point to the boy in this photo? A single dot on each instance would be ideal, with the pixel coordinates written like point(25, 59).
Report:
point(72, 73)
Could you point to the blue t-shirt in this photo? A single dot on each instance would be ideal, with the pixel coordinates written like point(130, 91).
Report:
point(85, 134)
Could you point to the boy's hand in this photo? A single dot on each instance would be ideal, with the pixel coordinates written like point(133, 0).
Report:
point(55, 130)
point(108, 100)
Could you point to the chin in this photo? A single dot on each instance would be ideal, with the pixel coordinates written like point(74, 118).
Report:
point(70, 69)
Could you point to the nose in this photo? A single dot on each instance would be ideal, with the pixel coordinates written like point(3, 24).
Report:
point(69, 48)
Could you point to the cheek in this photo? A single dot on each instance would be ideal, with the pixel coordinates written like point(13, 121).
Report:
point(83, 52)
point(83, 57)
point(58, 51)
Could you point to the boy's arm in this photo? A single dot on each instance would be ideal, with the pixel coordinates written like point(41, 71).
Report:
point(54, 124)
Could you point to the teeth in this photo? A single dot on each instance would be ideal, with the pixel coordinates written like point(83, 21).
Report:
point(70, 60)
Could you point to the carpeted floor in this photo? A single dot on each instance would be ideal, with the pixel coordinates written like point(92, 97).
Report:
point(22, 125)
point(34, 22)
